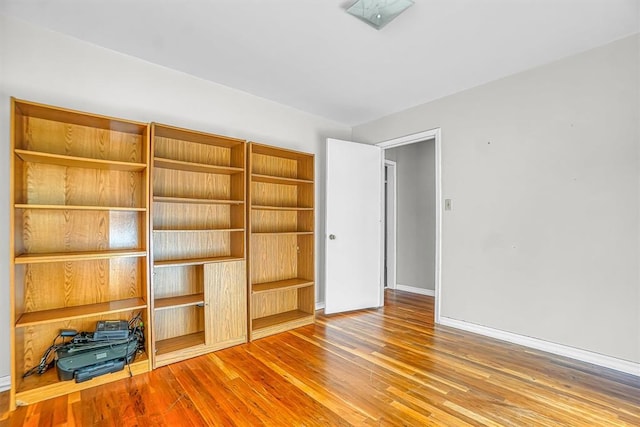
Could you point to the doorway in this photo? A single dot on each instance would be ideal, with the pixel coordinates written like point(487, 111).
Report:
point(412, 256)
point(390, 224)
point(354, 243)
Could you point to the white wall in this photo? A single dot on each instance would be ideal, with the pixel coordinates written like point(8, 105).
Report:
point(543, 169)
point(42, 66)
point(416, 222)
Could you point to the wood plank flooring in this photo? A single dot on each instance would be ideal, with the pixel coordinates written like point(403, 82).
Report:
point(375, 367)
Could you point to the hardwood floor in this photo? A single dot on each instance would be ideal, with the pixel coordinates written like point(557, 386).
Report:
point(377, 367)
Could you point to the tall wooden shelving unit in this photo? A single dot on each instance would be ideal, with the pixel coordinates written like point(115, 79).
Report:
point(99, 203)
point(79, 221)
point(198, 245)
point(281, 240)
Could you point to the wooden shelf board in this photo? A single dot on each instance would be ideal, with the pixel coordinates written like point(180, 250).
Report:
point(270, 179)
point(280, 322)
point(228, 230)
point(164, 347)
point(284, 153)
point(77, 162)
point(280, 208)
point(194, 261)
point(196, 350)
point(281, 233)
point(78, 207)
point(179, 301)
point(172, 132)
point(37, 388)
point(160, 162)
point(77, 256)
point(65, 115)
point(68, 313)
point(162, 199)
point(281, 285)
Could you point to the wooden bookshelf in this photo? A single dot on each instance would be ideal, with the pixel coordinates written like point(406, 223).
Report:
point(281, 240)
point(79, 222)
point(111, 218)
point(198, 243)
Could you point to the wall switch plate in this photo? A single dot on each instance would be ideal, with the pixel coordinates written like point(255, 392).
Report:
point(447, 204)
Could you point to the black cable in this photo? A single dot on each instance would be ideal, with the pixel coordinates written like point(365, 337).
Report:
point(44, 364)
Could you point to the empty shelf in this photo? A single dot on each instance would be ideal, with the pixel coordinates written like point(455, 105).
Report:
point(281, 285)
point(179, 301)
point(77, 162)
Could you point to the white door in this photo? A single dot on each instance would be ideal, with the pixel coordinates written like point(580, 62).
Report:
point(353, 226)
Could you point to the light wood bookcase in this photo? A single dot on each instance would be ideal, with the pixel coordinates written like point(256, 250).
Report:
point(198, 280)
point(281, 240)
point(79, 221)
point(99, 203)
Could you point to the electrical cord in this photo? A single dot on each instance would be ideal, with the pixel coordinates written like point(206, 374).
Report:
point(45, 363)
point(136, 330)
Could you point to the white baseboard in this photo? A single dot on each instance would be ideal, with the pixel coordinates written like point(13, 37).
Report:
point(413, 289)
point(538, 344)
point(5, 383)
point(319, 305)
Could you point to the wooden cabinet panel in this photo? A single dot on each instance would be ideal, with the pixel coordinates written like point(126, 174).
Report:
point(225, 302)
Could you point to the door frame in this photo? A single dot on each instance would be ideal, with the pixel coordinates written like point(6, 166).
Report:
point(435, 135)
point(391, 227)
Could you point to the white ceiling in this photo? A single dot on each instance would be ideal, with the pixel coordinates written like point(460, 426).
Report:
point(312, 55)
